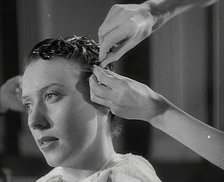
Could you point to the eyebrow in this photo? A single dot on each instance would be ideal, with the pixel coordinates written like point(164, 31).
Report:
point(43, 89)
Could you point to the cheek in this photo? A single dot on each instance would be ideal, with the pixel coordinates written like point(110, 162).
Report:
point(78, 129)
point(72, 119)
point(78, 110)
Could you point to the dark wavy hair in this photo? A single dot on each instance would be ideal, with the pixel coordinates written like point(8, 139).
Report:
point(79, 50)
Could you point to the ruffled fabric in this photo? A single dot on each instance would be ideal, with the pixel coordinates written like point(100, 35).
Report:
point(120, 168)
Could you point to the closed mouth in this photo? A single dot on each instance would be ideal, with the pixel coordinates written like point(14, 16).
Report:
point(47, 141)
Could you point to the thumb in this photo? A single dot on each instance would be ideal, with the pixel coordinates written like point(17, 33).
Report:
point(107, 61)
point(112, 41)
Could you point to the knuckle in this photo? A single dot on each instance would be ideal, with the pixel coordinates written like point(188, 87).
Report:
point(116, 6)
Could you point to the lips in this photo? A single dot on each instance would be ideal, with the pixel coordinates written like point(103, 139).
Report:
point(47, 142)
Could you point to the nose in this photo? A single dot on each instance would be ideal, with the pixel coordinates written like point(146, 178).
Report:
point(38, 119)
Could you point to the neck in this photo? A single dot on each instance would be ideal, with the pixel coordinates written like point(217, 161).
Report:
point(72, 174)
point(92, 164)
point(96, 155)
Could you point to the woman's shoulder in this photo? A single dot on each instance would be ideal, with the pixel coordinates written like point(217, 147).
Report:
point(120, 167)
point(54, 175)
point(129, 167)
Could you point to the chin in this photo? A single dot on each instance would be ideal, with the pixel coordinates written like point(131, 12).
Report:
point(53, 160)
point(63, 159)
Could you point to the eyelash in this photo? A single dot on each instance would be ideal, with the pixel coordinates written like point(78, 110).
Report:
point(52, 97)
point(27, 107)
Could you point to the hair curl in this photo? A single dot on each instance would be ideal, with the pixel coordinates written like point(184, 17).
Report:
point(79, 49)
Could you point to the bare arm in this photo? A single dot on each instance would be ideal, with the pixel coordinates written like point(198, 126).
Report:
point(130, 99)
point(128, 24)
point(171, 8)
point(203, 139)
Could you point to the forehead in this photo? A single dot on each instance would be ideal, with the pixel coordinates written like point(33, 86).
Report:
point(42, 73)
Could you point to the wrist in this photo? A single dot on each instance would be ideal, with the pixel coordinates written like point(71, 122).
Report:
point(171, 7)
point(164, 10)
point(161, 106)
point(156, 106)
point(160, 13)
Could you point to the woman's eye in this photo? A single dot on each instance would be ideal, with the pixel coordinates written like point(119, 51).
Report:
point(52, 97)
point(27, 107)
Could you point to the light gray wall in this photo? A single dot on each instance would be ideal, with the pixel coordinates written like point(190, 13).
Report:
point(179, 72)
point(68, 17)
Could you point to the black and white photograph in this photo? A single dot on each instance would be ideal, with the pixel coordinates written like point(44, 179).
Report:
point(111, 91)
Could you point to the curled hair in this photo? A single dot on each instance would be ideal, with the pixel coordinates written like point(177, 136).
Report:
point(75, 49)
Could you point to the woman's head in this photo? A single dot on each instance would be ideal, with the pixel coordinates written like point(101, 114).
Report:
point(66, 126)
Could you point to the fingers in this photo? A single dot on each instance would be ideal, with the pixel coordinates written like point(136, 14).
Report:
point(112, 31)
point(112, 40)
point(99, 93)
point(104, 86)
point(124, 27)
point(114, 56)
point(99, 89)
point(100, 101)
point(13, 83)
point(11, 94)
point(111, 21)
point(125, 37)
point(120, 40)
point(105, 77)
point(17, 79)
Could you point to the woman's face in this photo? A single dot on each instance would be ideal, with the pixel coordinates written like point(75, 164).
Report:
point(63, 124)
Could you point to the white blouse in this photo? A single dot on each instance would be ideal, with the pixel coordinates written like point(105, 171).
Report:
point(120, 168)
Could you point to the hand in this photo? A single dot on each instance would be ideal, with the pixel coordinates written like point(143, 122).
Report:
point(125, 97)
point(124, 27)
point(10, 95)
